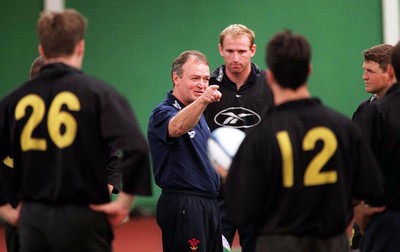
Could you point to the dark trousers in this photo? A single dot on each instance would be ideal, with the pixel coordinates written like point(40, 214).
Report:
point(11, 237)
point(189, 222)
point(66, 228)
point(247, 236)
point(290, 243)
point(383, 234)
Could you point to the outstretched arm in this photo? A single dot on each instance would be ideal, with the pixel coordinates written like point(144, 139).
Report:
point(189, 116)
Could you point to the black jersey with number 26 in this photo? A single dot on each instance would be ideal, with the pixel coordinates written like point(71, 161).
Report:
point(297, 172)
point(59, 129)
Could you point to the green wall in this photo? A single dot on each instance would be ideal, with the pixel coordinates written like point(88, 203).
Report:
point(131, 44)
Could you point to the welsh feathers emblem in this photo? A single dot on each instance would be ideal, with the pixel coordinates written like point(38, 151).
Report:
point(193, 244)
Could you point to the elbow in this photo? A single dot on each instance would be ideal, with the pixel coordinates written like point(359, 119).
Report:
point(175, 130)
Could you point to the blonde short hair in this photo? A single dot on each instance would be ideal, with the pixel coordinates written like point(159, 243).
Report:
point(237, 30)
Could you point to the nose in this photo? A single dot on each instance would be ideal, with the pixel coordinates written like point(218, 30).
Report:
point(365, 75)
point(236, 56)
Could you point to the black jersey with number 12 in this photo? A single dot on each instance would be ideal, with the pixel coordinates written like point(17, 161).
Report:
point(297, 172)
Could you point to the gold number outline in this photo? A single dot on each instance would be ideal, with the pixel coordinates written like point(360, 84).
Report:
point(313, 175)
point(27, 141)
point(55, 119)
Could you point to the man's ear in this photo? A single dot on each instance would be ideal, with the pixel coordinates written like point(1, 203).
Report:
point(41, 52)
point(175, 79)
point(390, 71)
point(220, 48)
point(253, 50)
point(80, 48)
point(270, 77)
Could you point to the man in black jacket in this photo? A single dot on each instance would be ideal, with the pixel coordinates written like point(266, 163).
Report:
point(59, 129)
point(245, 95)
point(295, 175)
point(380, 124)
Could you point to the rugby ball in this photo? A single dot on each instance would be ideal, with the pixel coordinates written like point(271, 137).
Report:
point(223, 145)
point(225, 244)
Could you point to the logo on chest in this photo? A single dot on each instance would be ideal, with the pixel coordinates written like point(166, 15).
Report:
point(237, 117)
point(192, 133)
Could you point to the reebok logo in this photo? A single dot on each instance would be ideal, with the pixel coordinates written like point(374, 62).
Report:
point(237, 117)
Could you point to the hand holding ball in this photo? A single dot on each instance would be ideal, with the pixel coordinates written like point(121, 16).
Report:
point(222, 147)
